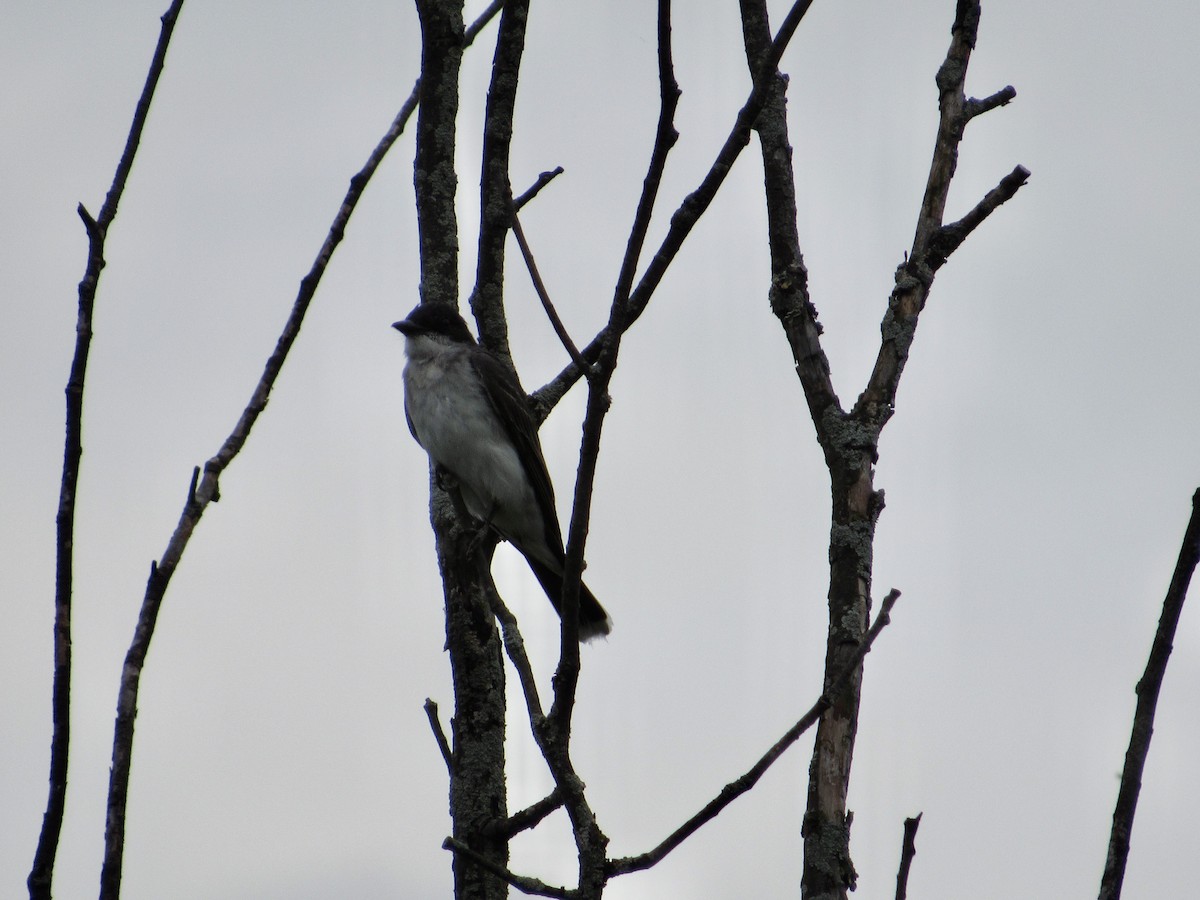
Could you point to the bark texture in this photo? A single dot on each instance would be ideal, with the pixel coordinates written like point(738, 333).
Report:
point(477, 784)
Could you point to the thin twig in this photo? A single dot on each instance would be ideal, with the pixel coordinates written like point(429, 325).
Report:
point(431, 713)
point(685, 217)
point(1147, 701)
point(481, 22)
point(554, 738)
point(598, 399)
point(741, 785)
point(522, 883)
point(198, 500)
point(41, 874)
point(665, 138)
point(907, 852)
point(208, 491)
point(514, 646)
point(540, 288)
point(536, 188)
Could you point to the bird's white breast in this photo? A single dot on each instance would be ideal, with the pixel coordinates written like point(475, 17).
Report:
point(455, 423)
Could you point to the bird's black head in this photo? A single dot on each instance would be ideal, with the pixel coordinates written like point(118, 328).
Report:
point(435, 319)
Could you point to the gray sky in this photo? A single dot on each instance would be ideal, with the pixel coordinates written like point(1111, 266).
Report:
point(1038, 470)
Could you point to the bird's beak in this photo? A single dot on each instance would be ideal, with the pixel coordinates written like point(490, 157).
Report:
point(404, 326)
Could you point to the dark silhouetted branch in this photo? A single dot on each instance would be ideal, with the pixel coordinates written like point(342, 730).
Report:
point(41, 874)
point(1147, 700)
point(495, 194)
point(531, 265)
point(1002, 97)
point(741, 785)
point(907, 852)
point(431, 713)
point(522, 883)
point(933, 242)
point(208, 490)
point(948, 237)
point(477, 785)
point(514, 646)
point(527, 818)
point(540, 288)
point(536, 188)
point(693, 206)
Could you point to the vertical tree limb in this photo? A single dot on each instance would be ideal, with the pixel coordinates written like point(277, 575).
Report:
point(477, 788)
point(434, 178)
point(41, 874)
point(789, 295)
point(907, 852)
point(1147, 701)
point(828, 870)
point(495, 207)
point(850, 440)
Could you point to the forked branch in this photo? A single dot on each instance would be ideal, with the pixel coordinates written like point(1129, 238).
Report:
point(689, 211)
point(933, 242)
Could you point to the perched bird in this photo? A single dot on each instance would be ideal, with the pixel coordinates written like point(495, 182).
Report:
point(466, 409)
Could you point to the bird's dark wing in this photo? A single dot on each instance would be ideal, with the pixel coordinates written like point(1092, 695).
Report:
point(412, 429)
point(512, 408)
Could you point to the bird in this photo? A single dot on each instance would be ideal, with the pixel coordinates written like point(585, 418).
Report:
point(467, 410)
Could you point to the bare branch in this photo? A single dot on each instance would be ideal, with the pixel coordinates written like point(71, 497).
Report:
point(665, 138)
point(698, 201)
point(435, 180)
point(540, 288)
point(477, 790)
point(481, 22)
point(431, 713)
point(208, 490)
point(788, 295)
point(553, 737)
point(689, 211)
point(907, 852)
point(495, 199)
point(1147, 701)
point(933, 242)
point(514, 646)
point(1002, 97)
point(527, 818)
point(609, 343)
point(947, 238)
point(536, 188)
point(955, 111)
point(741, 785)
point(41, 874)
point(522, 883)
point(531, 265)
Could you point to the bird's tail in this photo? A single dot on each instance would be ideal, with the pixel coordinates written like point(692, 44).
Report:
point(593, 620)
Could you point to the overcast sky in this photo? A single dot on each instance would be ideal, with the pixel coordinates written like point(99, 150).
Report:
point(1038, 471)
